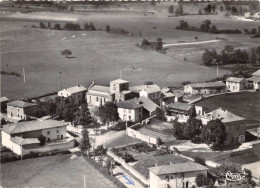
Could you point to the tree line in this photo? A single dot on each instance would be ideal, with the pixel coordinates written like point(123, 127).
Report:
point(206, 27)
point(68, 26)
point(230, 55)
point(118, 30)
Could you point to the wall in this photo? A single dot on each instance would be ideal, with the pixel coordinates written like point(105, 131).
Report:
point(128, 167)
point(91, 99)
point(53, 135)
point(118, 87)
point(134, 113)
point(9, 144)
point(13, 112)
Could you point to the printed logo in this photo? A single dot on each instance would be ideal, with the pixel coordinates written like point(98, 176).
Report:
point(235, 176)
point(129, 180)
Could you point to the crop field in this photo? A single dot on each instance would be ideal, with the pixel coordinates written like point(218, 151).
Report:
point(99, 56)
point(39, 172)
point(246, 105)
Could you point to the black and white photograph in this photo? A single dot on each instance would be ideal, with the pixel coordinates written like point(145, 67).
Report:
point(130, 93)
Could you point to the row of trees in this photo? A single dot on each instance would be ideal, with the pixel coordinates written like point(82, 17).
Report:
point(213, 133)
point(253, 31)
point(229, 55)
point(178, 11)
point(119, 30)
point(206, 27)
point(68, 26)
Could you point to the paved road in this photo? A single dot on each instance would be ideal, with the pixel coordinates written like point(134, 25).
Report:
point(121, 175)
point(189, 43)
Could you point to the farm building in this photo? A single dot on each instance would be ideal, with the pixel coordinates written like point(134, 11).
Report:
point(169, 96)
point(180, 108)
point(22, 110)
point(77, 93)
point(236, 84)
point(24, 135)
point(205, 88)
point(176, 175)
point(254, 81)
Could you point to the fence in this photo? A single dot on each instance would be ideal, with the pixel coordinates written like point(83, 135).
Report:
point(128, 167)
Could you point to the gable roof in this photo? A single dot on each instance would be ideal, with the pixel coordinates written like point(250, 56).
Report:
point(235, 79)
point(119, 81)
point(130, 104)
point(256, 73)
point(148, 104)
point(148, 88)
point(4, 99)
point(76, 89)
point(177, 168)
point(208, 85)
point(21, 104)
point(100, 88)
point(254, 79)
point(27, 126)
point(180, 106)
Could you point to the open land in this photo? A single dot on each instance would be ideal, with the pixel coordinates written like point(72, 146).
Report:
point(99, 56)
point(39, 172)
point(244, 104)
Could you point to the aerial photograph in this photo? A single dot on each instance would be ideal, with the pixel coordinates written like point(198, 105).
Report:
point(130, 93)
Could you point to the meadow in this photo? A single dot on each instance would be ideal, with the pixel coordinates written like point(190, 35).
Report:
point(99, 56)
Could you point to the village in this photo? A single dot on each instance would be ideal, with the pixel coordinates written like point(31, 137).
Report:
point(161, 137)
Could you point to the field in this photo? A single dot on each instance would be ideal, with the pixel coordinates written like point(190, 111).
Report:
point(246, 105)
point(40, 172)
point(99, 56)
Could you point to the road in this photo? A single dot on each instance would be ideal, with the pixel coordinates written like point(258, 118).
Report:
point(189, 43)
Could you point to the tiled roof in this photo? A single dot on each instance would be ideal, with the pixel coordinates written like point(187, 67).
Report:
point(208, 85)
point(76, 89)
point(97, 94)
point(254, 79)
point(100, 88)
point(119, 81)
point(148, 104)
point(148, 88)
point(4, 99)
point(24, 141)
point(27, 126)
point(177, 168)
point(180, 106)
point(21, 104)
point(256, 73)
point(234, 79)
point(130, 104)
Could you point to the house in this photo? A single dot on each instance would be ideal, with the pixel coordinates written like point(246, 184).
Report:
point(205, 88)
point(98, 95)
point(24, 135)
point(153, 92)
point(168, 96)
point(136, 109)
point(180, 108)
point(254, 81)
point(130, 110)
point(3, 102)
point(77, 93)
point(235, 84)
point(22, 110)
point(235, 125)
point(176, 175)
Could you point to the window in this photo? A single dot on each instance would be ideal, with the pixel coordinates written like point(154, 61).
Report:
point(48, 132)
point(18, 115)
point(129, 111)
point(167, 178)
point(18, 109)
point(97, 99)
point(104, 99)
point(89, 98)
point(57, 131)
point(78, 96)
point(129, 117)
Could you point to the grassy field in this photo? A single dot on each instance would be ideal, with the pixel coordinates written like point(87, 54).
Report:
point(99, 56)
point(246, 105)
point(52, 172)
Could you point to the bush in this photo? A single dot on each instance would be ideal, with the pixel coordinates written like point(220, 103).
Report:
point(200, 160)
point(128, 158)
point(196, 140)
point(42, 140)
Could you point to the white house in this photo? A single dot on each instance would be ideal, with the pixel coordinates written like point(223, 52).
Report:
point(77, 93)
point(176, 175)
point(254, 81)
point(204, 88)
point(24, 135)
point(153, 92)
point(235, 84)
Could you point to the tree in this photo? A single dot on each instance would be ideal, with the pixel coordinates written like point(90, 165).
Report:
point(66, 52)
point(178, 129)
point(145, 42)
point(214, 133)
point(192, 113)
point(160, 115)
point(108, 112)
point(86, 26)
point(171, 8)
point(200, 160)
point(253, 31)
point(85, 143)
point(253, 56)
point(107, 28)
point(66, 108)
point(159, 44)
point(201, 180)
point(209, 56)
point(208, 8)
point(42, 25)
point(49, 25)
point(92, 27)
point(57, 26)
point(42, 140)
point(200, 12)
point(82, 116)
point(213, 29)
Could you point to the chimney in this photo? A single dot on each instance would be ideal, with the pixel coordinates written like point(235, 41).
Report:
point(79, 85)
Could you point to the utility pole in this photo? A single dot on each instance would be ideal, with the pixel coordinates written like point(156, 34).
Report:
point(217, 70)
point(23, 75)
